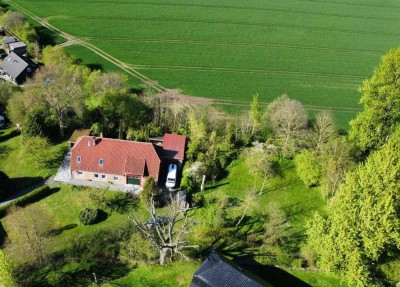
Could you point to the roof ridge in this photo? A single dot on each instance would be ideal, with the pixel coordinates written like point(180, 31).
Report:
point(111, 139)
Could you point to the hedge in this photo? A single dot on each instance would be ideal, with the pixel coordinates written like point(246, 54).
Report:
point(27, 199)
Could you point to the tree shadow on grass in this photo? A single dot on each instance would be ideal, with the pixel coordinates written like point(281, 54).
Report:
point(212, 187)
point(88, 254)
point(122, 203)
point(58, 231)
point(46, 36)
point(273, 275)
point(6, 136)
point(71, 273)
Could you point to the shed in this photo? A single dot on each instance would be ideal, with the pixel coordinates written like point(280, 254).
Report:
point(17, 47)
point(218, 271)
point(15, 67)
point(9, 39)
point(77, 134)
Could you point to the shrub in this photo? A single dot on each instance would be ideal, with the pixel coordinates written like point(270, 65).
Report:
point(308, 168)
point(88, 216)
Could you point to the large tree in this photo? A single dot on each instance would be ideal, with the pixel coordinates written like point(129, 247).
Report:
point(30, 227)
point(362, 228)
point(288, 119)
point(167, 234)
point(59, 89)
point(381, 100)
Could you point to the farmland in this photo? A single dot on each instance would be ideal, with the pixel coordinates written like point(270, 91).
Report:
point(318, 52)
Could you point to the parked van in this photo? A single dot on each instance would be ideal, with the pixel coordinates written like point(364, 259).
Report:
point(171, 177)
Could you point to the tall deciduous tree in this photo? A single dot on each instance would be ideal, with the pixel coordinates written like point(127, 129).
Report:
point(324, 129)
point(6, 90)
point(363, 223)
point(335, 159)
point(30, 226)
point(381, 101)
point(58, 88)
point(288, 120)
point(167, 236)
point(256, 113)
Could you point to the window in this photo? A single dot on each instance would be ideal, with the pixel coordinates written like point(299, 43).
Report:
point(95, 175)
point(78, 159)
point(103, 176)
point(80, 172)
point(101, 161)
point(116, 178)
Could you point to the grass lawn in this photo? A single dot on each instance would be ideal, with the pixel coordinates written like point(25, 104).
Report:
point(63, 208)
point(171, 275)
point(298, 201)
point(14, 165)
point(314, 278)
point(316, 52)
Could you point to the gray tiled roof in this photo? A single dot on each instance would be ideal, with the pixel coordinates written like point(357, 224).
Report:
point(13, 65)
point(8, 40)
point(217, 271)
point(16, 45)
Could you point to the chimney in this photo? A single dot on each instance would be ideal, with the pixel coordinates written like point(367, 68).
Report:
point(101, 134)
point(94, 141)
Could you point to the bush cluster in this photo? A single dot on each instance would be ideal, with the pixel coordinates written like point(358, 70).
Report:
point(88, 216)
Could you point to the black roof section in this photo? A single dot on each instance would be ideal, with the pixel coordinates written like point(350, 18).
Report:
point(218, 271)
point(14, 65)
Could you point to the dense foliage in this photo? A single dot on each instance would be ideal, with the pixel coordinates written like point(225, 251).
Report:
point(381, 100)
point(89, 216)
point(363, 223)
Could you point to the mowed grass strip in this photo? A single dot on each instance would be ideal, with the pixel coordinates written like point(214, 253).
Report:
point(318, 52)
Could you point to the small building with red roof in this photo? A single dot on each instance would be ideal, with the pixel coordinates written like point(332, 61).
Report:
point(122, 161)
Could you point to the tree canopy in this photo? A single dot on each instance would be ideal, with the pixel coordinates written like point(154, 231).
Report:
point(381, 101)
point(362, 228)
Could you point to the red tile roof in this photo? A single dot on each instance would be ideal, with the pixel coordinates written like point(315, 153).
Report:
point(120, 157)
point(174, 146)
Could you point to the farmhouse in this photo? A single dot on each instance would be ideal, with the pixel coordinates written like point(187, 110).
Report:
point(14, 68)
point(121, 161)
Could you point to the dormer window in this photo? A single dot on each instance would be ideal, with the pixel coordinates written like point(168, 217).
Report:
point(101, 161)
point(78, 159)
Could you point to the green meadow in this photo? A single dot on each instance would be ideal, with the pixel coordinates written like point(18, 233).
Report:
point(318, 52)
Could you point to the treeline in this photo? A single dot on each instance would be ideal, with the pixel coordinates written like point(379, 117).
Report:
point(359, 236)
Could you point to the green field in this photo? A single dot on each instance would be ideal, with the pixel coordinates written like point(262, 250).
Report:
point(316, 51)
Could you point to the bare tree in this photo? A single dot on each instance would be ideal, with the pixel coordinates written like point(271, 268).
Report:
point(167, 234)
point(288, 119)
point(248, 203)
point(59, 88)
point(260, 163)
point(106, 82)
point(31, 227)
point(335, 161)
point(324, 129)
point(11, 20)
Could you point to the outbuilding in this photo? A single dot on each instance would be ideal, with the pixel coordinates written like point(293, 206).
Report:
point(17, 47)
point(15, 67)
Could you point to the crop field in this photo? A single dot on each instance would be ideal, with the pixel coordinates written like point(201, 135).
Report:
point(316, 51)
